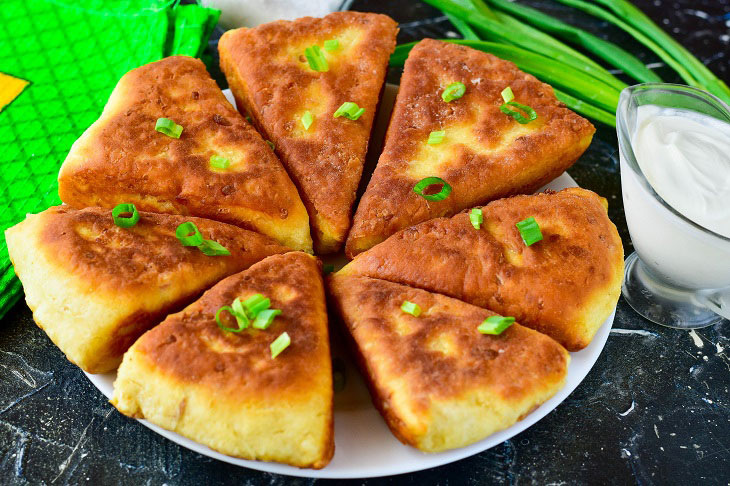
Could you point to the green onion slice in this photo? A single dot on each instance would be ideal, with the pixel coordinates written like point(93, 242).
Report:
point(328, 268)
point(168, 127)
point(307, 119)
point(433, 181)
point(495, 324)
point(241, 320)
point(349, 110)
point(435, 138)
point(410, 308)
point(213, 248)
point(271, 144)
point(125, 221)
point(219, 162)
point(279, 344)
point(507, 94)
point(316, 59)
point(265, 318)
point(454, 91)
point(255, 304)
point(530, 231)
point(476, 217)
point(531, 115)
point(331, 45)
point(189, 234)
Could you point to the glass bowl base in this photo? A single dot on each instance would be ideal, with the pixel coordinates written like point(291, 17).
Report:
point(661, 303)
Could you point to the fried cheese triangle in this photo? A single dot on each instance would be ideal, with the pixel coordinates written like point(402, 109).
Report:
point(272, 80)
point(564, 286)
point(223, 389)
point(121, 158)
point(484, 154)
point(95, 287)
point(436, 380)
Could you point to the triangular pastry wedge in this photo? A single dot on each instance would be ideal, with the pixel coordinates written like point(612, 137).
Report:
point(564, 286)
point(438, 382)
point(95, 287)
point(272, 80)
point(484, 154)
point(224, 389)
point(122, 158)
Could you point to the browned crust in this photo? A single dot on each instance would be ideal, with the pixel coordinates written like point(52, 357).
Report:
point(327, 164)
point(190, 346)
point(122, 158)
point(511, 365)
point(115, 259)
point(550, 286)
point(555, 141)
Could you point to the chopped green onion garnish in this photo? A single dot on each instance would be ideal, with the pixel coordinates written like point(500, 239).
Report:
point(454, 91)
point(241, 319)
point(265, 318)
point(476, 218)
point(507, 94)
point(168, 127)
point(238, 308)
point(316, 59)
point(436, 137)
point(189, 234)
point(219, 162)
point(248, 118)
point(280, 344)
point(410, 308)
point(125, 221)
point(255, 304)
point(349, 110)
point(331, 45)
point(530, 231)
point(271, 144)
point(495, 324)
point(432, 181)
point(517, 115)
point(213, 248)
point(307, 119)
point(328, 268)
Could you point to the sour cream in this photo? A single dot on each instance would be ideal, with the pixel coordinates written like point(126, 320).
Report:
point(685, 156)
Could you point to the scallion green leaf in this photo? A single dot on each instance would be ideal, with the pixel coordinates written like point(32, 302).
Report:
point(241, 319)
point(476, 218)
point(219, 162)
point(522, 120)
point(213, 248)
point(307, 119)
point(189, 234)
point(495, 324)
point(331, 45)
point(168, 127)
point(271, 144)
point(529, 231)
point(410, 308)
point(435, 138)
point(255, 304)
point(507, 94)
point(279, 344)
point(349, 110)
point(316, 59)
point(328, 268)
point(265, 318)
point(432, 181)
point(454, 91)
point(125, 221)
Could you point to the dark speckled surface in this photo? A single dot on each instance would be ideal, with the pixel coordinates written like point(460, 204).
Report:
point(655, 409)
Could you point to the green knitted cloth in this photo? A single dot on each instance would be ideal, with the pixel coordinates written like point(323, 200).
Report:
point(72, 52)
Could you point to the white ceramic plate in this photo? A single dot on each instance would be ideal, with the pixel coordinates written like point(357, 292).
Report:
point(364, 446)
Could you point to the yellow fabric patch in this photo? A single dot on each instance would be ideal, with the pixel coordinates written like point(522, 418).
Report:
point(10, 88)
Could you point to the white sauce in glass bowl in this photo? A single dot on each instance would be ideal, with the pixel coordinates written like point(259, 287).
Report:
point(685, 156)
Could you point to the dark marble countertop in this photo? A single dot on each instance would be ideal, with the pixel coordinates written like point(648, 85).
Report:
point(655, 409)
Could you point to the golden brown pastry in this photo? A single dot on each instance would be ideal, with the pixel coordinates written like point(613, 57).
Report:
point(484, 155)
point(121, 158)
point(564, 286)
point(272, 80)
point(95, 287)
point(224, 389)
point(437, 381)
